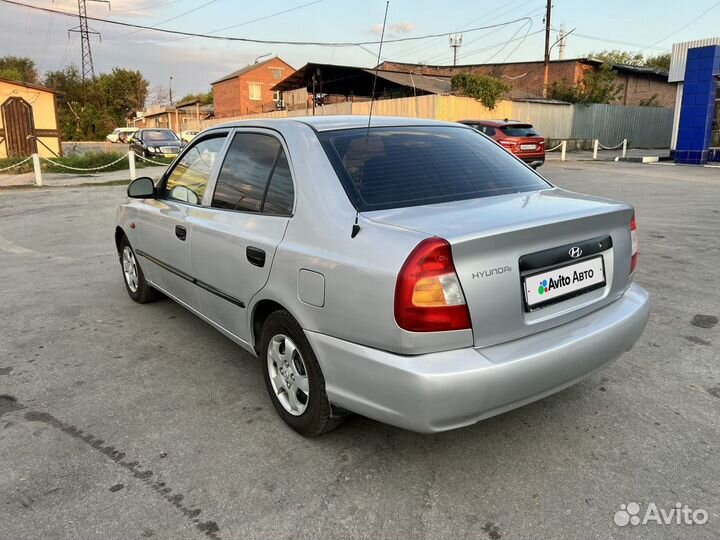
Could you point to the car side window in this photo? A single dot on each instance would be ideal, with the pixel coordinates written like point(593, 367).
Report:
point(189, 178)
point(489, 131)
point(255, 176)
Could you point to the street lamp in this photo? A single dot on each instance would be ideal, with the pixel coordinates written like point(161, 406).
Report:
point(262, 56)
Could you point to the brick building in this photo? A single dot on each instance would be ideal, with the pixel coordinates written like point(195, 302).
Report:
point(248, 90)
point(640, 84)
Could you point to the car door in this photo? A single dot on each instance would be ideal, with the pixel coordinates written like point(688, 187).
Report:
point(236, 233)
point(164, 233)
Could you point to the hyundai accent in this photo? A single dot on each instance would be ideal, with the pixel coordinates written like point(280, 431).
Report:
point(408, 270)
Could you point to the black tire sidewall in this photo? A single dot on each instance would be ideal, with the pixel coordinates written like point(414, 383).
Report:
point(315, 418)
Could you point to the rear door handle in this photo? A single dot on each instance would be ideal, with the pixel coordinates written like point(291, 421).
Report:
point(255, 256)
point(181, 232)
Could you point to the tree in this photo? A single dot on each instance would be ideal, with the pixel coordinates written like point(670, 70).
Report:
point(19, 68)
point(92, 111)
point(205, 99)
point(616, 56)
point(659, 61)
point(487, 90)
point(597, 86)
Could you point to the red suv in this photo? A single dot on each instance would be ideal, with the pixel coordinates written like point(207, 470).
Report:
point(518, 138)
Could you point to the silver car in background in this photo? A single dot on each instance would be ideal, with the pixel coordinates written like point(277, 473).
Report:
point(411, 271)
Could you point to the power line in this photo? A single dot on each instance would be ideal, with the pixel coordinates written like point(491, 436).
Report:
point(716, 4)
point(615, 41)
point(264, 17)
point(167, 20)
point(263, 41)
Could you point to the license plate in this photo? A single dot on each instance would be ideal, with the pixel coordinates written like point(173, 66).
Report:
point(528, 147)
point(561, 283)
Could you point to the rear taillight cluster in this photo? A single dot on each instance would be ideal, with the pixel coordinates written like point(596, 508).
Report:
point(634, 241)
point(428, 296)
point(509, 144)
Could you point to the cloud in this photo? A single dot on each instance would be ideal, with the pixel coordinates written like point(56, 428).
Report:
point(394, 30)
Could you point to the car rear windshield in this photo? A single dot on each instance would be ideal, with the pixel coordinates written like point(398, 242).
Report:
point(158, 135)
point(519, 131)
point(409, 166)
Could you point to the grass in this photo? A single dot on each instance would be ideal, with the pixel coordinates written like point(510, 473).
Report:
point(88, 160)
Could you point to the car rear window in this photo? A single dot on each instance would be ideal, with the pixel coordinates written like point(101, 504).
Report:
point(409, 166)
point(519, 131)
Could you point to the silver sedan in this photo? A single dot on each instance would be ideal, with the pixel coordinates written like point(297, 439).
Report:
point(411, 271)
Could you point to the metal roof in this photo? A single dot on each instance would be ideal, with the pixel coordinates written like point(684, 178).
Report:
point(334, 122)
point(352, 80)
point(249, 68)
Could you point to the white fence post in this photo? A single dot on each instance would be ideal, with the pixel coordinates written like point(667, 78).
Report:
point(36, 167)
point(624, 147)
point(131, 159)
point(596, 142)
point(562, 150)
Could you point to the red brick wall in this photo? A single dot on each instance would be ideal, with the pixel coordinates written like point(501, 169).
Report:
point(232, 97)
point(523, 77)
point(528, 77)
point(638, 89)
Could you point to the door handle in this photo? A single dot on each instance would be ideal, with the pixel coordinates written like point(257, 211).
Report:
point(255, 256)
point(181, 232)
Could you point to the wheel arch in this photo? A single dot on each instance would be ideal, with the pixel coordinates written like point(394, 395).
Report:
point(119, 234)
point(261, 310)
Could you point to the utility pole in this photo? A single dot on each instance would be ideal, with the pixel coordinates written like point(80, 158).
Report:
point(547, 46)
point(455, 44)
point(561, 42)
point(170, 89)
point(88, 69)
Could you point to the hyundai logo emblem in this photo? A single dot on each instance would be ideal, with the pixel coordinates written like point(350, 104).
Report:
point(575, 252)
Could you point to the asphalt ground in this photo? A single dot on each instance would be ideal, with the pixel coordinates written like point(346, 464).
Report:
point(123, 421)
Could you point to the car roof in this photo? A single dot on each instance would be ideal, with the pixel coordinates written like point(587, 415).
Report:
point(497, 123)
point(335, 122)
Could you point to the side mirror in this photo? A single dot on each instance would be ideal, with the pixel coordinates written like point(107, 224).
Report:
point(141, 188)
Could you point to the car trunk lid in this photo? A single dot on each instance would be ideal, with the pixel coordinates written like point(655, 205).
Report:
point(502, 245)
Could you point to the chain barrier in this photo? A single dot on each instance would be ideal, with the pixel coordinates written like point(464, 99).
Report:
point(554, 148)
point(150, 160)
point(610, 147)
point(16, 164)
point(83, 169)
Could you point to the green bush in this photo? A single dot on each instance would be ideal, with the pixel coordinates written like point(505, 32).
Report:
point(88, 160)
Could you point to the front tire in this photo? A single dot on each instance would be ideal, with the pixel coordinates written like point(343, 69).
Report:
point(137, 286)
point(293, 377)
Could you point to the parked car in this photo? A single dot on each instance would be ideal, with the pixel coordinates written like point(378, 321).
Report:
point(519, 138)
point(120, 135)
point(156, 142)
point(412, 272)
point(188, 135)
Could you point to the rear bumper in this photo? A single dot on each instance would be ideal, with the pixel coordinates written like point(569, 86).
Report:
point(535, 161)
point(441, 391)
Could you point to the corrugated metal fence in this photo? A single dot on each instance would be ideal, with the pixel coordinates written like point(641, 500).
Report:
point(643, 127)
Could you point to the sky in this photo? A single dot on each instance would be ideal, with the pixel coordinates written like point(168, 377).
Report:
point(193, 63)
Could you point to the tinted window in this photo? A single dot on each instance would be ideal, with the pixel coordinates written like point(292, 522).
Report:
point(159, 135)
point(252, 161)
point(520, 131)
point(397, 167)
point(189, 178)
point(487, 130)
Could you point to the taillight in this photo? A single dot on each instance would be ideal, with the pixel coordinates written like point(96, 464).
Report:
point(509, 144)
point(428, 296)
point(634, 241)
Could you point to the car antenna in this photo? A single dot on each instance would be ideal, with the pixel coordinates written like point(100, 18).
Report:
point(356, 225)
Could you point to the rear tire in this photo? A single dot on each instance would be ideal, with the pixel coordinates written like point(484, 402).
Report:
point(135, 283)
point(293, 377)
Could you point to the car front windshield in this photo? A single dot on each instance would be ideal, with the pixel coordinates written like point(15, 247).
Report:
point(159, 135)
point(396, 167)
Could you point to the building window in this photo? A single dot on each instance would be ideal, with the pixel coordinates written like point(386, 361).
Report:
point(277, 73)
point(255, 90)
